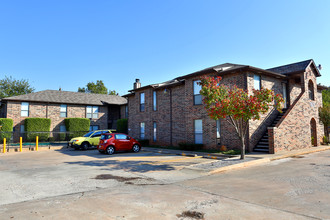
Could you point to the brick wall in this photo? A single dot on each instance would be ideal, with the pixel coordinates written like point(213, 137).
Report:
point(52, 111)
point(184, 112)
point(294, 132)
point(258, 127)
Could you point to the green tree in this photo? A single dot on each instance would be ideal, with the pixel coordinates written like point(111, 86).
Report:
point(13, 87)
point(97, 87)
point(235, 105)
point(324, 112)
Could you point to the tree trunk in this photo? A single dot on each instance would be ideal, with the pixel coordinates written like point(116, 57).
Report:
point(243, 148)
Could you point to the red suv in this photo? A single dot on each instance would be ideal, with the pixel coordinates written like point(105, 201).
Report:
point(111, 142)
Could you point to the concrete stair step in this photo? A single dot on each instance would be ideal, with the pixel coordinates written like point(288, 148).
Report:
point(261, 150)
point(263, 143)
point(261, 147)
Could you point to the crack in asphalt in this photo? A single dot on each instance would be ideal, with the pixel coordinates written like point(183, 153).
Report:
point(247, 202)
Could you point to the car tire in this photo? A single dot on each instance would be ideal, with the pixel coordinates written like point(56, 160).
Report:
point(85, 145)
point(110, 150)
point(136, 148)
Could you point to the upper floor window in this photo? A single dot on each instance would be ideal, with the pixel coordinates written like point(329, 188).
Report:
point(24, 109)
point(63, 111)
point(197, 95)
point(256, 82)
point(311, 90)
point(142, 102)
point(92, 112)
point(155, 101)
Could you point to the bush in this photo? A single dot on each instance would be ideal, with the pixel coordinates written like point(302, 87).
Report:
point(144, 142)
point(77, 127)
point(190, 146)
point(325, 140)
point(37, 127)
point(6, 129)
point(122, 125)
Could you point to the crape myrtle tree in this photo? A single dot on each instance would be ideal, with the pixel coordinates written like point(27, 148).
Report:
point(235, 105)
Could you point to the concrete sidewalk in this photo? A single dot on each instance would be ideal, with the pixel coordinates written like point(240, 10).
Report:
point(230, 162)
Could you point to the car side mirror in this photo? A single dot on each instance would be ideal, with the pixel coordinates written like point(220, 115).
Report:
point(128, 138)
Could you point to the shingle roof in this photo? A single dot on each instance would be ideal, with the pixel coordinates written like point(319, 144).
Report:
point(217, 68)
point(65, 97)
point(291, 68)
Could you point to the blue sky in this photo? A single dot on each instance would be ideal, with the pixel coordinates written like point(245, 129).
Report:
point(67, 44)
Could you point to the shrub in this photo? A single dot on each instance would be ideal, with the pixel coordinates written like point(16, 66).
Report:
point(325, 140)
point(37, 127)
point(77, 127)
point(144, 142)
point(122, 125)
point(6, 129)
point(190, 146)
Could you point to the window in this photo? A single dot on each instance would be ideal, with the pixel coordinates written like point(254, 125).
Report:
point(126, 111)
point(257, 82)
point(155, 131)
point(121, 137)
point(198, 125)
point(24, 109)
point(310, 90)
point(63, 111)
point(197, 95)
point(142, 130)
point(218, 129)
point(62, 128)
point(93, 127)
point(22, 129)
point(155, 101)
point(97, 134)
point(92, 112)
point(142, 102)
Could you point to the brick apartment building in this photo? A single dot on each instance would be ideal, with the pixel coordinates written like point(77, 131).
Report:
point(102, 110)
point(172, 112)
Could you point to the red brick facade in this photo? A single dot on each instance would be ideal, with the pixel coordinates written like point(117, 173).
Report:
point(294, 131)
point(176, 113)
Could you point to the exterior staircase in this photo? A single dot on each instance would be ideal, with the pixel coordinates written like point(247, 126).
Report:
point(263, 145)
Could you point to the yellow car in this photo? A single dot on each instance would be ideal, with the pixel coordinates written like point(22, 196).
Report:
point(92, 138)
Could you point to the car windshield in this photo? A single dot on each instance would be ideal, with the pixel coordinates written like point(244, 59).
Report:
point(105, 136)
point(88, 134)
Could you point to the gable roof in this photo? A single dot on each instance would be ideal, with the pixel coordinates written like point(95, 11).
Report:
point(66, 97)
point(294, 68)
point(225, 68)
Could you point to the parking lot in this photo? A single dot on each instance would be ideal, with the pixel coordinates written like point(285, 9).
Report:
point(34, 175)
point(68, 184)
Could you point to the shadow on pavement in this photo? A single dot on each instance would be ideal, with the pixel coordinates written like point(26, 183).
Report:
point(131, 166)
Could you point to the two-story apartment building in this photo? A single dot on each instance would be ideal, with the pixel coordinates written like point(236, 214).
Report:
point(172, 112)
point(102, 110)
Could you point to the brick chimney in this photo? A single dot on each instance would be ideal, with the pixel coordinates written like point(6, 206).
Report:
point(137, 84)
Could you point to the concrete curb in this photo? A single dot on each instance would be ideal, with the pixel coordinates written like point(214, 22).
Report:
point(32, 148)
point(189, 154)
point(265, 160)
